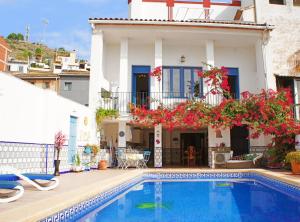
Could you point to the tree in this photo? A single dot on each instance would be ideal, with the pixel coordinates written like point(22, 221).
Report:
point(16, 37)
point(20, 37)
point(12, 36)
point(38, 54)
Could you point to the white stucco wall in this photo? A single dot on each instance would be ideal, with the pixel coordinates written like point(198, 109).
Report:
point(29, 114)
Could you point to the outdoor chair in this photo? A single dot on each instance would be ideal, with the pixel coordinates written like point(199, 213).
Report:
point(15, 191)
point(146, 159)
point(121, 158)
point(42, 182)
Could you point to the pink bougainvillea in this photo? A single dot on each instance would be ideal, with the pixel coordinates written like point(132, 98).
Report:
point(157, 73)
point(59, 140)
point(266, 113)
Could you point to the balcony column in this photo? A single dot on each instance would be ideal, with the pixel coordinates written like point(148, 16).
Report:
point(122, 134)
point(96, 75)
point(158, 146)
point(156, 86)
point(124, 97)
point(210, 60)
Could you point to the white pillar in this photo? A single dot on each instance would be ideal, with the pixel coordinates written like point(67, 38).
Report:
point(158, 146)
point(261, 82)
point(124, 78)
point(210, 53)
point(210, 60)
point(96, 75)
point(156, 86)
point(122, 134)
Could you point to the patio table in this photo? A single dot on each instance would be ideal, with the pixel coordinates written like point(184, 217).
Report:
point(133, 159)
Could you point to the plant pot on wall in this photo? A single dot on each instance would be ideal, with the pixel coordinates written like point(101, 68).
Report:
point(102, 165)
point(295, 167)
point(294, 159)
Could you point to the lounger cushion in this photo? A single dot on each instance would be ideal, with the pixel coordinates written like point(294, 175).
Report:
point(8, 184)
point(32, 176)
point(8, 177)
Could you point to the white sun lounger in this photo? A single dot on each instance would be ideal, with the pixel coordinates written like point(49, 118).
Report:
point(42, 182)
point(16, 191)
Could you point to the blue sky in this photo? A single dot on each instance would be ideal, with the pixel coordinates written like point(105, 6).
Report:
point(68, 20)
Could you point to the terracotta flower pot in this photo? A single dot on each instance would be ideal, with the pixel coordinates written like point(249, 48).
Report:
point(102, 165)
point(295, 167)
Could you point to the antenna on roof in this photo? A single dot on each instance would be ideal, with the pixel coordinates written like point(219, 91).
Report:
point(27, 33)
point(45, 23)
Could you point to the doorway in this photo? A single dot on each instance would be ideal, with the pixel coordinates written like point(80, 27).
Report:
point(198, 141)
point(72, 139)
point(233, 82)
point(140, 86)
point(239, 136)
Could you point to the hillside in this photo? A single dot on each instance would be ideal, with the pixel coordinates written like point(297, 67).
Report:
point(21, 50)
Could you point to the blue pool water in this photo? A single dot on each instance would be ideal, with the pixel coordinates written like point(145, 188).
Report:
point(205, 201)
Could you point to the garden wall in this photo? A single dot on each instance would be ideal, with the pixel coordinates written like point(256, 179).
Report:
point(29, 119)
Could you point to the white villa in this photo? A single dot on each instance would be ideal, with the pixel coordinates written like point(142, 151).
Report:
point(257, 40)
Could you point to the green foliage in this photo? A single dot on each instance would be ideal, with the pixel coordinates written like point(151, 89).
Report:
point(15, 36)
point(293, 157)
point(77, 161)
point(38, 52)
point(102, 114)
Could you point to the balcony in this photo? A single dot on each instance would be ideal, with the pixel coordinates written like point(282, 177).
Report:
point(121, 100)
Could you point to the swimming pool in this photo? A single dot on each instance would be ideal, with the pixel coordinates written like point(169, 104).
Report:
point(191, 197)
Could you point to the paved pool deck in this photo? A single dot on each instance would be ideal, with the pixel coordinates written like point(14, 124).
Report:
point(77, 187)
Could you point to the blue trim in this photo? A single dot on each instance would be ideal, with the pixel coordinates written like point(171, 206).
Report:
point(235, 72)
point(138, 70)
point(182, 82)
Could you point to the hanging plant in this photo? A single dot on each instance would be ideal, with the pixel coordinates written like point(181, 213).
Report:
point(102, 114)
point(157, 73)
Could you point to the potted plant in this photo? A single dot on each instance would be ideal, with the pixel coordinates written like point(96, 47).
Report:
point(294, 159)
point(77, 167)
point(102, 165)
point(59, 141)
point(87, 149)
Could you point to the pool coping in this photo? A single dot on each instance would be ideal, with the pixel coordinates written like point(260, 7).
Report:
point(37, 211)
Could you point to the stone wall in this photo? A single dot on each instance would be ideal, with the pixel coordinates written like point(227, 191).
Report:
point(285, 38)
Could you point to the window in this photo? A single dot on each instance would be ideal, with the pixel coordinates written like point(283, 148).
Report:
point(21, 69)
point(296, 2)
point(46, 85)
point(181, 82)
point(277, 2)
point(68, 86)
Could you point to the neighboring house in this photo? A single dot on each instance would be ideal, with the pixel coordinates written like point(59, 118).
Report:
point(18, 66)
point(4, 51)
point(44, 80)
point(182, 37)
point(74, 85)
point(65, 61)
point(284, 42)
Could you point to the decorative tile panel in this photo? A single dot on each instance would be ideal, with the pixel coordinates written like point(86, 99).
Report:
point(35, 158)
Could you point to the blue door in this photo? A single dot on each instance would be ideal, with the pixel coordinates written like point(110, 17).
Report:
point(72, 139)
